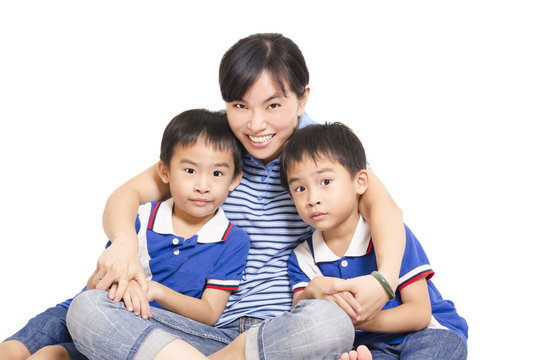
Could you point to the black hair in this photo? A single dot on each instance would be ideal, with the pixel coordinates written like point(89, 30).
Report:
point(245, 61)
point(333, 141)
point(186, 128)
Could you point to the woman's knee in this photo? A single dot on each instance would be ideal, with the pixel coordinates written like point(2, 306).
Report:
point(322, 314)
point(313, 329)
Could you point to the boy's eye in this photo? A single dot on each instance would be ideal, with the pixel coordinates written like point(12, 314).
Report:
point(217, 173)
point(190, 171)
point(326, 182)
point(274, 106)
point(300, 189)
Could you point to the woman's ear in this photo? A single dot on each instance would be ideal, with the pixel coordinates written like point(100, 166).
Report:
point(302, 101)
point(163, 171)
point(235, 181)
point(361, 182)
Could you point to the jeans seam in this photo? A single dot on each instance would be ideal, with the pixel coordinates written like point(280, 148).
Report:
point(192, 332)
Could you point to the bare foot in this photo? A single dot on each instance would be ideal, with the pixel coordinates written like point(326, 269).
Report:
point(362, 353)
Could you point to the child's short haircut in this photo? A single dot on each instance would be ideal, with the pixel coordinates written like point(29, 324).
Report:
point(333, 141)
point(186, 128)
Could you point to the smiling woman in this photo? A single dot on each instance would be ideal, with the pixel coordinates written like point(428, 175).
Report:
point(264, 82)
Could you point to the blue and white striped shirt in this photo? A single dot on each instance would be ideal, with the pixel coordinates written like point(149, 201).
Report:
point(263, 208)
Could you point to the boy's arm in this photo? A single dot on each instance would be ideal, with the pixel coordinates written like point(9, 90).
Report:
point(385, 221)
point(413, 314)
point(119, 262)
point(206, 310)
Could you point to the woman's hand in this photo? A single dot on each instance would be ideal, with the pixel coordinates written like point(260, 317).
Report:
point(117, 265)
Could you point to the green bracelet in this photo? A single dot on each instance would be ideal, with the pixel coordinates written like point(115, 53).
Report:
point(385, 284)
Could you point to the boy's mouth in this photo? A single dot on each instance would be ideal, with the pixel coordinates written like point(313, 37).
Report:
point(318, 215)
point(200, 202)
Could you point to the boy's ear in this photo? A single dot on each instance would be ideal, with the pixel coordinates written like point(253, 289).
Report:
point(235, 181)
point(361, 182)
point(163, 171)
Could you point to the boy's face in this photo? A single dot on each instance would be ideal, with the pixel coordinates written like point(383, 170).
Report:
point(325, 194)
point(200, 179)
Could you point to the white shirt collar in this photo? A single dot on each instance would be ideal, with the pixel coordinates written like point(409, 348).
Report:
point(212, 231)
point(360, 244)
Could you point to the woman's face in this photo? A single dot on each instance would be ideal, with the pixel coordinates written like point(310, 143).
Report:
point(264, 119)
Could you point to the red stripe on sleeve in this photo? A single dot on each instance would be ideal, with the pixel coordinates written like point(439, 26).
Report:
point(428, 274)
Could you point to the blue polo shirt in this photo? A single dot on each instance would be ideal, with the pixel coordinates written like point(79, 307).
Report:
point(214, 257)
point(314, 258)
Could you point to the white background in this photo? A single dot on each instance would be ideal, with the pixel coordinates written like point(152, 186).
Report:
point(447, 98)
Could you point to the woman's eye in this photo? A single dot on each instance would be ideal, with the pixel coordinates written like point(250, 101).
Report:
point(217, 173)
point(190, 171)
point(326, 182)
point(239, 106)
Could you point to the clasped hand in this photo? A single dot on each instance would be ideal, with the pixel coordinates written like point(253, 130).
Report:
point(360, 297)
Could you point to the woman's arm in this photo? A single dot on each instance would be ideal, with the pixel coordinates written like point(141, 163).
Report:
point(119, 262)
point(385, 221)
point(413, 315)
point(206, 310)
point(387, 227)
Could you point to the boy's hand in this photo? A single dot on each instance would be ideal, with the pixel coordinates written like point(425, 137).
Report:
point(320, 288)
point(119, 264)
point(368, 293)
point(135, 299)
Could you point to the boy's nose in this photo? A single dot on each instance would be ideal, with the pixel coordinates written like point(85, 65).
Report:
point(313, 198)
point(202, 185)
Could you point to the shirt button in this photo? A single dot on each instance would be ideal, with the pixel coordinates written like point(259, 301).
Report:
point(176, 252)
point(175, 241)
point(344, 263)
point(263, 178)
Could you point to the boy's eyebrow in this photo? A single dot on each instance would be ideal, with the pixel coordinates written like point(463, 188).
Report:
point(191, 162)
point(317, 172)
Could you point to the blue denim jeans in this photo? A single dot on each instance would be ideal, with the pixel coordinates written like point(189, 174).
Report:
point(47, 328)
point(104, 329)
point(423, 345)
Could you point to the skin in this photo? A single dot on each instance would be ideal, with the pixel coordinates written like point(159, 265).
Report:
point(262, 121)
point(15, 350)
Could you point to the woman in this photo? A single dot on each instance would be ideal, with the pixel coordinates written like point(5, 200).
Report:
point(264, 82)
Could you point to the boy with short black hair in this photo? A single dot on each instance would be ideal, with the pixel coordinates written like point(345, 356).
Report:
point(323, 166)
point(193, 257)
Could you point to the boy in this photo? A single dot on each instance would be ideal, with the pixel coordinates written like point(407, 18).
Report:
point(323, 166)
point(192, 255)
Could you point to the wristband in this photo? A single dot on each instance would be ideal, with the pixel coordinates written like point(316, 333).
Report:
point(384, 283)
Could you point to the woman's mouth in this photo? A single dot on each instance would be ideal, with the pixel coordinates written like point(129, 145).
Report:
point(260, 140)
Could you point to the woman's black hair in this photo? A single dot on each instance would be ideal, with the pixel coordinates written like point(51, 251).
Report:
point(246, 60)
point(186, 128)
point(333, 141)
